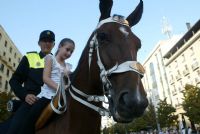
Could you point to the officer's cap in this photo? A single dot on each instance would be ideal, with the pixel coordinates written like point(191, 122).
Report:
point(47, 34)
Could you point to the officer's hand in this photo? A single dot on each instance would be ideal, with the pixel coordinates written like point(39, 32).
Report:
point(31, 99)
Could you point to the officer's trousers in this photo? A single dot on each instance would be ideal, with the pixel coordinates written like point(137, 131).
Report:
point(26, 116)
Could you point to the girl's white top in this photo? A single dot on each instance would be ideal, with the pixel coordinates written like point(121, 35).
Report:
point(56, 71)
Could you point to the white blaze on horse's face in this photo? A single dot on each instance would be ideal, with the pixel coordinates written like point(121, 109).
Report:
point(124, 31)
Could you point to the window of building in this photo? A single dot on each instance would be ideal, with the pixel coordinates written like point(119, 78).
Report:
point(6, 85)
point(0, 36)
point(186, 67)
point(10, 49)
point(152, 74)
point(178, 103)
point(179, 88)
point(2, 67)
point(181, 83)
point(198, 73)
point(189, 80)
point(172, 78)
point(4, 53)
point(174, 90)
point(183, 58)
point(5, 43)
point(0, 81)
point(8, 72)
point(191, 51)
point(15, 55)
point(151, 68)
point(14, 65)
point(175, 64)
point(9, 59)
point(178, 72)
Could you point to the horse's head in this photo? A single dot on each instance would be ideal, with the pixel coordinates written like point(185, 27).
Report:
point(112, 56)
point(120, 72)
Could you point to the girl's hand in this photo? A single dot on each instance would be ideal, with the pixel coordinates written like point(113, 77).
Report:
point(66, 72)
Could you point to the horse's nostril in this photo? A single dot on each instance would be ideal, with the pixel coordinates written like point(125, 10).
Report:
point(125, 99)
point(130, 101)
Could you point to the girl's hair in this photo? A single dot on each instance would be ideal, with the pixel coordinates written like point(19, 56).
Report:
point(62, 43)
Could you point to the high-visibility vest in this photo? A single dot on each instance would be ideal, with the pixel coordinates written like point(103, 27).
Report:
point(35, 61)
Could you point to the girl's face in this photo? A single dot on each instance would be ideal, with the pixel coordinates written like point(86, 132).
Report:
point(66, 50)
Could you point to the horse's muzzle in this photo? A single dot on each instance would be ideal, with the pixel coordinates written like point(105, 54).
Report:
point(128, 106)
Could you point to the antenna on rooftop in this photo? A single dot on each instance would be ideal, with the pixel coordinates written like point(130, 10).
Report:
point(166, 27)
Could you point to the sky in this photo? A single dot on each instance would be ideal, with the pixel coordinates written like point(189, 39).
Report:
point(23, 20)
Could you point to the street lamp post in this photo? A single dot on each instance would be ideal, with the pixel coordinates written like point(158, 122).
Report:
point(157, 121)
point(156, 116)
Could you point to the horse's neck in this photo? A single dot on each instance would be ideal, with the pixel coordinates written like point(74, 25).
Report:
point(83, 119)
point(86, 120)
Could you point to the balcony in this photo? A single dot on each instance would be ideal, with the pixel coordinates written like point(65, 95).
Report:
point(197, 80)
point(4, 58)
point(174, 93)
point(186, 72)
point(195, 65)
point(171, 81)
point(178, 77)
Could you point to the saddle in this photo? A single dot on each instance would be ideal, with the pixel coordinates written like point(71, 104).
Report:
point(57, 105)
point(46, 114)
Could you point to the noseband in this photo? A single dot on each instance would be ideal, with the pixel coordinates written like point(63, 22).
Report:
point(117, 68)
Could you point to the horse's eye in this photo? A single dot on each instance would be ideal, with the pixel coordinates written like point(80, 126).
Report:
point(101, 37)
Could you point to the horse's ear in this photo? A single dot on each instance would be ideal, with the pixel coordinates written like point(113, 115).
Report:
point(136, 15)
point(105, 7)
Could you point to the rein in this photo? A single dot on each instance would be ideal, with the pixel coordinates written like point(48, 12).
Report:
point(118, 68)
point(60, 95)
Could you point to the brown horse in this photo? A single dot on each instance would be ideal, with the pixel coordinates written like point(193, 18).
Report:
point(108, 67)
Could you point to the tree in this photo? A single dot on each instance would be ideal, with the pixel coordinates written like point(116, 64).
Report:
point(166, 114)
point(148, 120)
point(150, 115)
point(191, 102)
point(4, 97)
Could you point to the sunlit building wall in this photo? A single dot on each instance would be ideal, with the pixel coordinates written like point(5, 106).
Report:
point(9, 60)
point(155, 80)
point(182, 64)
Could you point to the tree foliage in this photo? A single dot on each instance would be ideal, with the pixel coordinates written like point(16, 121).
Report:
point(191, 102)
point(166, 114)
point(150, 115)
point(4, 97)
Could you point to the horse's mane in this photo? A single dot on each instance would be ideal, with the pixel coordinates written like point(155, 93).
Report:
point(83, 57)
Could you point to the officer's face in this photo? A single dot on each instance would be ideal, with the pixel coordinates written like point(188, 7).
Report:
point(46, 45)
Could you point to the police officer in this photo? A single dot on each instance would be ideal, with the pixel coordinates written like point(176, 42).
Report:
point(27, 80)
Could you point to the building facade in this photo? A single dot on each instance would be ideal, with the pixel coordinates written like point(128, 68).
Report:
point(10, 57)
point(155, 80)
point(171, 65)
point(182, 64)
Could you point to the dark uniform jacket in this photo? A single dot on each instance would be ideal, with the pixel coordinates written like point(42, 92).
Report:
point(27, 79)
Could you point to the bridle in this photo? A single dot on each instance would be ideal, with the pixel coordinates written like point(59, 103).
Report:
point(118, 68)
